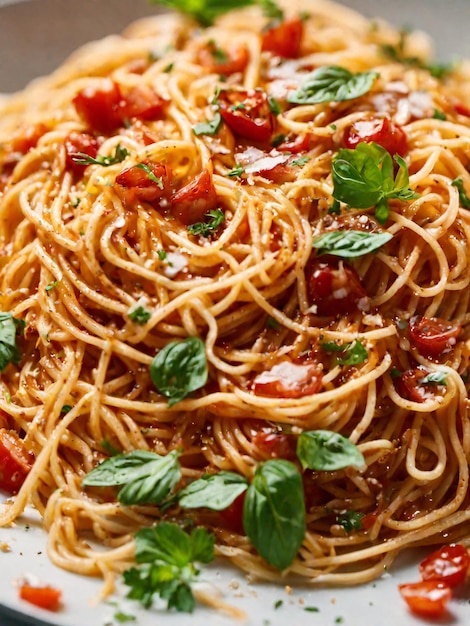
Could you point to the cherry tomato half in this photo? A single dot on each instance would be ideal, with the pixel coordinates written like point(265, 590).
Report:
point(448, 564)
point(432, 336)
point(247, 113)
point(274, 445)
point(289, 380)
point(145, 184)
point(191, 203)
point(79, 142)
point(232, 516)
point(427, 597)
point(15, 462)
point(380, 130)
point(223, 62)
point(409, 385)
point(334, 287)
point(284, 39)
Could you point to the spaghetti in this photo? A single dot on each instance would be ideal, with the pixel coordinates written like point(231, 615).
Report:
point(164, 185)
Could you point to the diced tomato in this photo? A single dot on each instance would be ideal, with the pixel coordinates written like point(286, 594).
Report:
point(409, 386)
point(101, 107)
point(191, 203)
point(289, 380)
point(44, 597)
point(221, 61)
point(295, 144)
point(433, 336)
point(461, 109)
point(143, 103)
point(334, 287)
point(79, 142)
point(380, 130)
point(448, 564)
point(281, 173)
point(232, 516)
point(275, 445)
point(284, 39)
point(427, 597)
point(15, 462)
point(369, 519)
point(137, 184)
point(247, 113)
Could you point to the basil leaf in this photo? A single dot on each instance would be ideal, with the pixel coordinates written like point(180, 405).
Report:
point(349, 244)
point(204, 11)
point(140, 315)
point(213, 491)
point(209, 127)
point(354, 353)
point(332, 84)
point(148, 477)
point(179, 368)
point(9, 328)
point(274, 512)
point(350, 520)
point(165, 542)
point(324, 450)
point(120, 153)
point(464, 199)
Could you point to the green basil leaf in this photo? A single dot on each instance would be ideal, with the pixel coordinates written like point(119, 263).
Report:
point(165, 543)
point(9, 328)
point(120, 153)
point(355, 354)
point(180, 598)
point(210, 127)
point(213, 491)
point(350, 243)
point(147, 477)
point(434, 378)
point(350, 520)
point(179, 368)
point(274, 512)
point(202, 545)
point(324, 450)
point(204, 11)
point(140, 315)
point(332, 84)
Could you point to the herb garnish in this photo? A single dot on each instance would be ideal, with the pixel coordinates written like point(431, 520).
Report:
point(236, 172)
point(434, 378)
point(167, 555)
point(332, 84)
point(140, 315)
point(179, 368)
point(205, 229)
point(10, 327)
point(204, 11)
point(352, 353)
point(464, 199)
point(324, 450)
point(209, 127)
point(120, 153)
point(350, 520)
point(151, 175)
point(364, 178)
point(349, 243)
point(213, 491)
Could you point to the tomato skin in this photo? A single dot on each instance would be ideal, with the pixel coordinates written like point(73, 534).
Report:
point(284, 39)
point(448, 564)
point(29, 138)
point(379, 130)
point(15, 462)
point(232, 516)
point(253, 120)
point(100, 107)
point(275, 445)
point(236, 61)
point(461, 109)
point(427, 597)
point(134, 184)
point(289, 379)
point(296, 144)
point(44, 597)
point(79, 142)
point(191, 203)
point(334, 287)
point(143, 103)
point(432, 336)
point(409, 387)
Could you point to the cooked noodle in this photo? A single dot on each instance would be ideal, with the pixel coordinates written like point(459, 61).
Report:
point(77, 257)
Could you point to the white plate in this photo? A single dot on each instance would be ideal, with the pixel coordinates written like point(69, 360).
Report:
point(35, 36)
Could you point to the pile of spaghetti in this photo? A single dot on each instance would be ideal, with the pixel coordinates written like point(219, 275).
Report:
point(216, 240)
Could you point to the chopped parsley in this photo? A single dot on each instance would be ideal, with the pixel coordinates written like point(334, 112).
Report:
point(140, 315)
point(205, 229)
point(120, 153)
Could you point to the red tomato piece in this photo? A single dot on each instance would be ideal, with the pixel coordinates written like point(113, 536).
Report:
point(296, 144)
point(28, 139)
point(44, 597)
point(409, 387)
point(461, 109)
point(433, 336)
point(138, 184)
point(275, 445)
point(247, 113)
point(380, 130)
point(449, 564)
point(143, 103)
point(232, 516)
point(223, 62)
point(191, 203)
point(101, 107)
point(428, 597)
point(15, 462)
point(289, 380)
point(334, 287)
point(79, 142)
point(284, 39)
point(281, 173)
